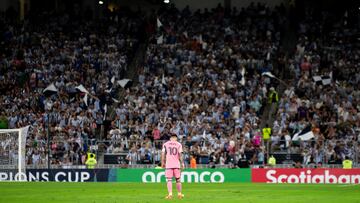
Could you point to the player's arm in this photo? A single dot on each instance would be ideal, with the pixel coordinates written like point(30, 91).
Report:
point(181, 158)
point(163, 152)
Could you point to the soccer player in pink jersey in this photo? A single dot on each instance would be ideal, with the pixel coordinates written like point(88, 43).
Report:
point(172, 161)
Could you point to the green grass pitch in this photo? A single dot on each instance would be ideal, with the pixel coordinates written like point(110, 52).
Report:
point(43, 192)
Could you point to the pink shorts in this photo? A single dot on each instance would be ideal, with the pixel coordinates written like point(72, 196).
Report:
point(172, 172)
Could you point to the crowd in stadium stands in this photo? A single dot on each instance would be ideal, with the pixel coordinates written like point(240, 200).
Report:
point(201, 80)
point(66, 53)
point(330, 104)
point(193, 84)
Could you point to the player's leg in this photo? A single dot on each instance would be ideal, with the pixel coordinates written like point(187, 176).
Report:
point(169, 174)
point(169, 187)
point(177, 174)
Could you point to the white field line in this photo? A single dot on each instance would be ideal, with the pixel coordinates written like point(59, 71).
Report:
point(348, 185)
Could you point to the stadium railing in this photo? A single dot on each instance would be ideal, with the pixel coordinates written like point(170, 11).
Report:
point(199, 166)
point(99, 148)
point(298, 149)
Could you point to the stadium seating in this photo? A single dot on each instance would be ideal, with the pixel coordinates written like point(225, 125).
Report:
point(201, 79)
point(324, 93)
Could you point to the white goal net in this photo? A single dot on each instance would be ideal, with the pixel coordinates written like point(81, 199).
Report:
point(12, 154)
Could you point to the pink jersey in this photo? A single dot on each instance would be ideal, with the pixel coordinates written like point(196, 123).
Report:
point(172, 150)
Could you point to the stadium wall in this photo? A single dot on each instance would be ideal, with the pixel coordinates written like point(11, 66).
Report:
point(306, 176)
point(189, 176)
point(256, 175)
point(60, 175)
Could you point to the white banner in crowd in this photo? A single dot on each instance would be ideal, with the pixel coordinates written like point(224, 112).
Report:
point(324, 79)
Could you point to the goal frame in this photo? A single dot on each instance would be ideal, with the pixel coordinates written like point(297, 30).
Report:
point(21, 134)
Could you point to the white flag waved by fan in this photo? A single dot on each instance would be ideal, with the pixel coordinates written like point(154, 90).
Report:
point(108, 90)
point(304, 135)
point(242, 81)
point(160, 40)
point(50, 88)
point(115, 100)
point(81, 88)
point(163, 81)
point(158, 22)
point(105, 111)
point(123, 82)
point(268, 74)
point(86, 99)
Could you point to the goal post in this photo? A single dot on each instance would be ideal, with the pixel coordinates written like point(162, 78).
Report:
point(13, 152)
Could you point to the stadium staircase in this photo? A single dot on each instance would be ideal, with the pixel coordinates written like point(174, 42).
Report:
point(131, 73)
point(287, 45)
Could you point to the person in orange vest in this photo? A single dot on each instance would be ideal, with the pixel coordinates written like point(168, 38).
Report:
point(192, 162)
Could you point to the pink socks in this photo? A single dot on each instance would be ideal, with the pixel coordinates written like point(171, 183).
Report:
point(169, 187)
point(178, 187)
